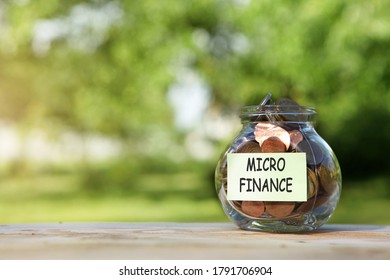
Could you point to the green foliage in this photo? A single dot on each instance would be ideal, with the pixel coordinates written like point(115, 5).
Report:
point(109, 64)
point(331, 54)
point(131, 175)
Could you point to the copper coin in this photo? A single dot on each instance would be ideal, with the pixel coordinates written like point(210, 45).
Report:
point(279, 209)
point(253, 208)
point(249, 147)
point(286, 102)
point(265, 130)
point(328, 179)
point(295, 138)
point(273, 145)
point(306, 206)
point(312, 183)
point(289, 110)
point(236, 203)
point(312, 203)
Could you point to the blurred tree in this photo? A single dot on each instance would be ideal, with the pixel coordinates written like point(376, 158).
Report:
point(105, 66)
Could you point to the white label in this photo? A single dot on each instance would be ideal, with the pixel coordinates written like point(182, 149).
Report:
point(267, 176)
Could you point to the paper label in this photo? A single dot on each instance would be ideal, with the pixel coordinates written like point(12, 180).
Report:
point(267, 176)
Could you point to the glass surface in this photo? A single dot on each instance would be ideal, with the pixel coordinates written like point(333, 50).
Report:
point(264, 130)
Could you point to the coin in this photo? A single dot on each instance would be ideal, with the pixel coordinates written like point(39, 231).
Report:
point(288, 110)
point(236, 203)
point(264, 130)
point(253, 208)
point(249, 147)
point(295, 138)
point(287, 101)
point(312, 203)
point(328, 179)
point(312, 183)
point(273, 145)
point(279, 209)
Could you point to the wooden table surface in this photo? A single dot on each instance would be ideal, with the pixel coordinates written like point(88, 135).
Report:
point(188, 241)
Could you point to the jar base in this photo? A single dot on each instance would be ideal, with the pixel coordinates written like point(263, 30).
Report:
point(276, 227)
point(310, 221)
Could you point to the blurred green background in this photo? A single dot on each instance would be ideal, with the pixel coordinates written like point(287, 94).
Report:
point(119, 110)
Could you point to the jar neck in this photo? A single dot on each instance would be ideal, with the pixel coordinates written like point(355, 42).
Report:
point(279, 114)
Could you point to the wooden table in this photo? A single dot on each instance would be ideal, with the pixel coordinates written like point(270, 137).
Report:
point(188, 241)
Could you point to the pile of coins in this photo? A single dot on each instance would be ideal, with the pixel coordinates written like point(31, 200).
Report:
point(276, 134)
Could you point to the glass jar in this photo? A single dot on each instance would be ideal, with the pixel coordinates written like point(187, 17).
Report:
point(278, 174)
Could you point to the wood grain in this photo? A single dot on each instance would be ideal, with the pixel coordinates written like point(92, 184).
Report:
point(188, 241)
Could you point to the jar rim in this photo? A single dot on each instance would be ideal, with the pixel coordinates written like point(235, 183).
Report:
point(295, 109)
point(271, 110)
